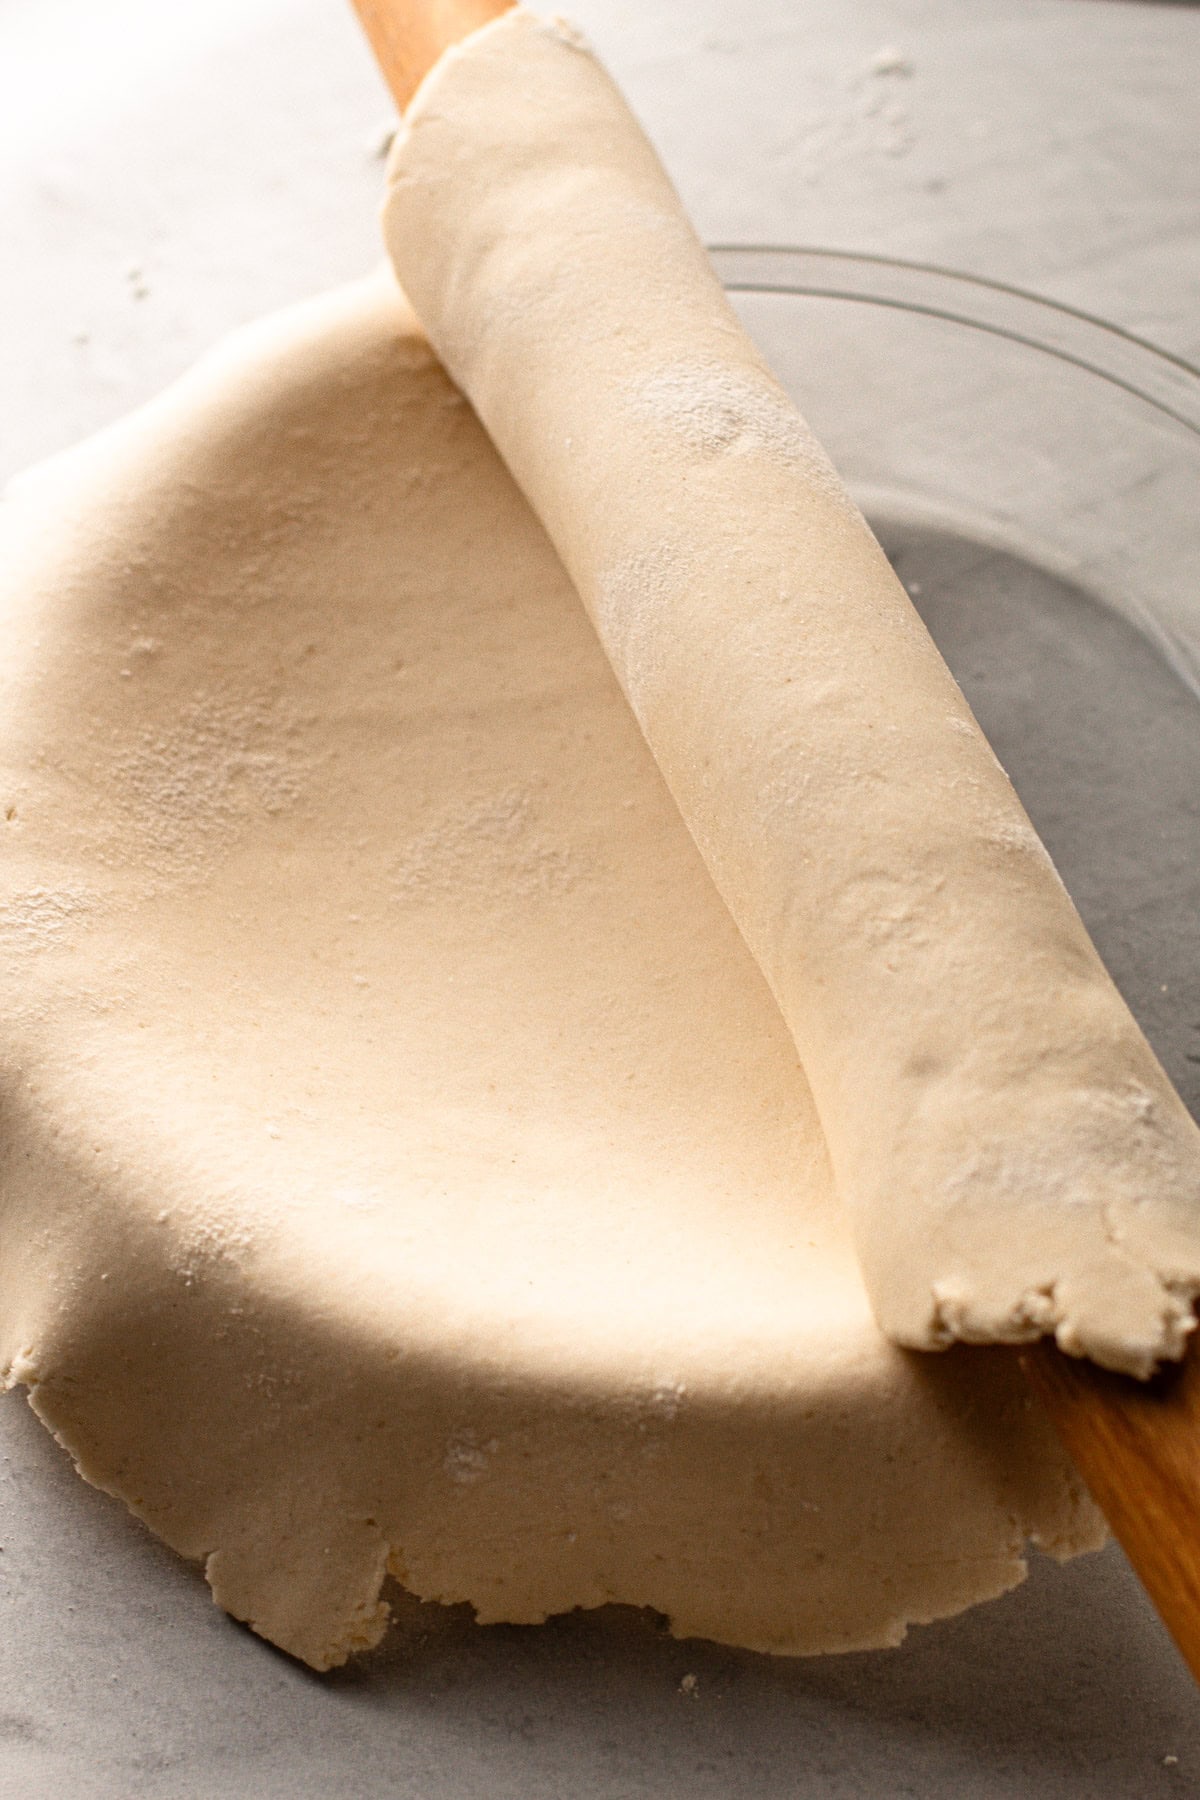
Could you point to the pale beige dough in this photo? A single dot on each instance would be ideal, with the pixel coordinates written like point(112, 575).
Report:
point(404, 1162)
point(1012, 1156)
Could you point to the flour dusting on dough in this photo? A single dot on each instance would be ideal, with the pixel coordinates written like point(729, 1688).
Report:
point(715, 408)
point(628, 605)
point(217, 765)
point(39, 918)
point(491, 842)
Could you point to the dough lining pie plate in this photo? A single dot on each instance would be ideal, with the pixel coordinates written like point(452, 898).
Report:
point(375, 938)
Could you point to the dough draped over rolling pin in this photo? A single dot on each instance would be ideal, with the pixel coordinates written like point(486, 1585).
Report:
point(1013, 1157)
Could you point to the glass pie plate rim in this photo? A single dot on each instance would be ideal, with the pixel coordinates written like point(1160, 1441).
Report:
point(1141, 368)
point(1133, 566)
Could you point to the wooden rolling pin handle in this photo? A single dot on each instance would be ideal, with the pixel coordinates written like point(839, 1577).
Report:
point(1137, 1446)
point(408, 36)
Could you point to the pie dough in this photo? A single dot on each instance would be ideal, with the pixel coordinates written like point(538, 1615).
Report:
point(405, 1164)
point(1012, 1155)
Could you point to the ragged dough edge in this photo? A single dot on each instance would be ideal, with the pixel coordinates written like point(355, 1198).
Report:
point(296, 1528)
point(235, 1580)
point(1089, 1270)
point(1119, 1286)
point(277, 1602)
point(956, 1317)
point(308, 1577)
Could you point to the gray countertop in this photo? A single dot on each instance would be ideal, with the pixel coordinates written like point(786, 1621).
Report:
point(168, 173)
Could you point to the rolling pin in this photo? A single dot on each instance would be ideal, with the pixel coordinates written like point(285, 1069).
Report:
point(1135, 1443)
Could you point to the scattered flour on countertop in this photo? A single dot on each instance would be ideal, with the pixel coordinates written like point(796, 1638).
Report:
point(891, 61)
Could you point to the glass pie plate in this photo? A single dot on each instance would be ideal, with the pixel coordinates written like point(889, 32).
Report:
point(1034, 475)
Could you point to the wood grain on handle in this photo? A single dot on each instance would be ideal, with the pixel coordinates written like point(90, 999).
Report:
point(408, 36)
point(1137, 1445)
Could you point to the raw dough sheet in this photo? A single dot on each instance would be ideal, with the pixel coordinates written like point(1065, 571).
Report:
point(405, 1162)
